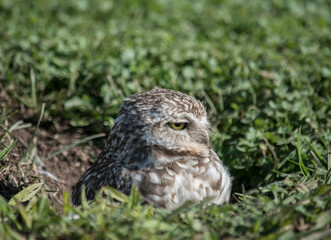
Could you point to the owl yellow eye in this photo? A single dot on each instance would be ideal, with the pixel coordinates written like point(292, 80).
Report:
point(177, 126)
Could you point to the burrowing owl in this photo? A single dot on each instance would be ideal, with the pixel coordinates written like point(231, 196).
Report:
point(159, 143)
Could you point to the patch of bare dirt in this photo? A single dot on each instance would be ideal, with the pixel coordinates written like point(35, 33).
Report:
point(25, 164)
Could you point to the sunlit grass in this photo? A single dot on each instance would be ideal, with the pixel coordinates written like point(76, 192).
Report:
point(262, 68)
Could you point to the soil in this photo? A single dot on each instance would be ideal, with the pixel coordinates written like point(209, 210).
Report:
point(25, 165)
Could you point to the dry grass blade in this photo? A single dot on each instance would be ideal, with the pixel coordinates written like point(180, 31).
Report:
point(19, 125)
point(73, 145)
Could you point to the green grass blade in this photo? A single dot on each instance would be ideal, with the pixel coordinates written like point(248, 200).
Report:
point(83, 197)
point(27, 218)
point(115, 194)
point(315, 150)
point(26, 194)
point(301, 164)
point(329, 157)
point(7, 149)
point(322, 140)
point(288, 158)
point(134, 198)
point(39, 120)
point(33, 88)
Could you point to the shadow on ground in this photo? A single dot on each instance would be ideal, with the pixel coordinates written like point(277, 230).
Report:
point(25, 165)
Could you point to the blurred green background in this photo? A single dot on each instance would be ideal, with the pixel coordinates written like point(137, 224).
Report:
point(262, 68)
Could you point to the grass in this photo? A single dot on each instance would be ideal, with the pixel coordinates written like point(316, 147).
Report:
point(262, 69)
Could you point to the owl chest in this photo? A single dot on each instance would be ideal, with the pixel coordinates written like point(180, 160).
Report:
point(172, 185)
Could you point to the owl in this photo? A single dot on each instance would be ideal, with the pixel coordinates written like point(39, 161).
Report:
point(160, 144)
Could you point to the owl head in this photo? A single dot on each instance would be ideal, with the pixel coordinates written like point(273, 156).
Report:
point(157, 126)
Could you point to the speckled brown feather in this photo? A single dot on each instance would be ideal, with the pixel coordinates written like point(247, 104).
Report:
point(168, 166)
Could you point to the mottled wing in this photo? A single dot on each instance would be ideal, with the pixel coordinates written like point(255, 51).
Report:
point(99, 175)
point(224, 182)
